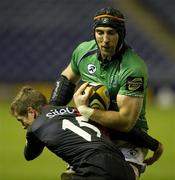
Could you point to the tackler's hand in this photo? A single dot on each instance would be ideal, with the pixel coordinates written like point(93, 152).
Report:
point(156, 155)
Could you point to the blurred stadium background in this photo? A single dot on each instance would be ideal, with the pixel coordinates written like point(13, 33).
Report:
point(37, 38)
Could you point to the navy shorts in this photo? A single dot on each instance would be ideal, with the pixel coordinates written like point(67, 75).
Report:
point(104, 166)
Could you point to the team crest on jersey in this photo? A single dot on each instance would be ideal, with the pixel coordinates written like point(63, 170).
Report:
point(135, 84)
point(91, 68)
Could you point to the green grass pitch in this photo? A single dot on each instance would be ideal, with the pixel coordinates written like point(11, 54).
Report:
point(13, 166)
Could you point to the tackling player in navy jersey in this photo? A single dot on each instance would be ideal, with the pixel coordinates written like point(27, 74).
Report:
point(70, 136)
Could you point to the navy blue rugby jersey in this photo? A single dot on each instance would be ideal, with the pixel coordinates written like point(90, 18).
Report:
point(67, 134)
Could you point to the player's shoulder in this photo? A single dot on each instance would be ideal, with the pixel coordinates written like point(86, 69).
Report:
point(132, 60)
point(52, 114)
point(84, 49)
point(39, 122)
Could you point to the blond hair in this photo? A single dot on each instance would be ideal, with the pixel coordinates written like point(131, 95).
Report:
point(27, 97)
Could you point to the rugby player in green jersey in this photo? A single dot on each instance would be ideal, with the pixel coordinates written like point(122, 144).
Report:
point(110, 61)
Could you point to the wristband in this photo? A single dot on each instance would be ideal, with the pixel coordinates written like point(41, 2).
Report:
point(85, 111)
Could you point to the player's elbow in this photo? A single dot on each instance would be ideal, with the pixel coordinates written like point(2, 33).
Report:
point(127, 123)
point(127, 127)
point(124, 127)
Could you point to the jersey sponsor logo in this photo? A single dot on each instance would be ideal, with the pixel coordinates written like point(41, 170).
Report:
point(58, 112)
point(91, 68)
point(135, 83)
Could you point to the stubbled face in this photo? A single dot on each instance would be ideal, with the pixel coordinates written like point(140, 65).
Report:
point(107, 39)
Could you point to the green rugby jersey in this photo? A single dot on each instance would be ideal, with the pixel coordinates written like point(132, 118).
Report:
point(127, 76)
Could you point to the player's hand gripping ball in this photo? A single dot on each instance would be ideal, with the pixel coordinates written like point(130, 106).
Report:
point(99, 98)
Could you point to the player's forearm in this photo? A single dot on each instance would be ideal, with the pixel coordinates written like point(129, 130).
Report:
point(156, 155)
point(33, 147)
point(143, 139)
point(123, 120)
point(62, 92)
point(138, 137)
point(112, 119)
point(30, 153)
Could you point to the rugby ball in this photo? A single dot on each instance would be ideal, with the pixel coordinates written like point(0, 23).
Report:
point(99, 98)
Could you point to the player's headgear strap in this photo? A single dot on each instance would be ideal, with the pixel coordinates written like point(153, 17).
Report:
point(109, 16)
